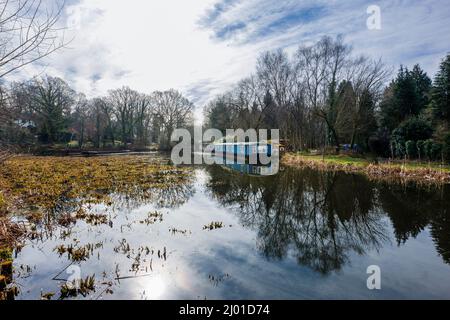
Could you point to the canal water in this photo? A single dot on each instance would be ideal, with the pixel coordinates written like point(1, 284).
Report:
point(223, 234)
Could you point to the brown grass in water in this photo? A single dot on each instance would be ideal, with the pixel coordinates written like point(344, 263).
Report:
point(33, 186)
point(10, 233)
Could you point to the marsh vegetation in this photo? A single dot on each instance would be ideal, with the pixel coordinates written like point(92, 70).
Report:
point(138, 227)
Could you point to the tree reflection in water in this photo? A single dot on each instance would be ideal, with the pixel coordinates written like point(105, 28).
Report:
point(413, 209)
point(323, 217)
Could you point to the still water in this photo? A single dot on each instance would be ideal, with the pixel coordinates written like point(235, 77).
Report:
point(300, 234)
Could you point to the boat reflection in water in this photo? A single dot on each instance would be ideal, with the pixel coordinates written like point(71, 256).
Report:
point(248, 169)
point(253, 170)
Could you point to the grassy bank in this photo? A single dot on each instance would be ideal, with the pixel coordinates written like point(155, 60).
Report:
point(387, 170)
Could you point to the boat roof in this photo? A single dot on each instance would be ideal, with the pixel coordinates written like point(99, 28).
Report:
point(243, 143)
point(235, 143)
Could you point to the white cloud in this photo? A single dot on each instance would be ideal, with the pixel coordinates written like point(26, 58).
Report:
point(202, 49)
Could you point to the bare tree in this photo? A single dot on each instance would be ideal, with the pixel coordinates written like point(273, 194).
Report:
point(124, 102)
point(99, 120)
point(321, 95)
point(276, 79)
point(274, 73)
point(51, 100)
point(4, 119)
point(143, 117)
point(174, 111)
point(246, 102)
point(29, 31)
point(322, 68)
point(107, 111)
point(367, 78)
point(81, 115)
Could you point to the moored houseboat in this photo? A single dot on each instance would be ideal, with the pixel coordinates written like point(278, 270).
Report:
point(246, 150)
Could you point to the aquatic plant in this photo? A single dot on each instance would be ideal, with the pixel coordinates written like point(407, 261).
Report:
point(123, 247)
point(83, 287)
point(216, 280)
point(44, 189)
point(92, 218)
point(10, 233)
point(77, 254)
point(152, 218)
point(8, 291)
point(66, 220)
point(46, 182)
point(213, 225)
point(47, 296)
point(175, 230)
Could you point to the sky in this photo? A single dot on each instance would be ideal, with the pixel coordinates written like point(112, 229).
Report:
point(203, 47)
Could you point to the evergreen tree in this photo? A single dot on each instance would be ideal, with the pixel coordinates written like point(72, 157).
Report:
point(269, 111)
point(423, 85)
point(368, 123)
point(441, 92)
point(218, 115)
point(405, 97)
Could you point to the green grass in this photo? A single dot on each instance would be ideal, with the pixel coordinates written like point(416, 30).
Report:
point(336, 159)
point(425, 165)
point(363, 162)
point(73, 144)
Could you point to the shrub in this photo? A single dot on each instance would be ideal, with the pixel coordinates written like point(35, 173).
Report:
point(447, 147)
point(436, 151)
point(379, 144)
point(420, 149)
point(410, 148)
point(408, 133)
point(427, 148)
point(433, 150)
point(413, 129)
point(399, 148)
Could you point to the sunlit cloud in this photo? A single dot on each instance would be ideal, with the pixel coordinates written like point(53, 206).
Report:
point(202, 47)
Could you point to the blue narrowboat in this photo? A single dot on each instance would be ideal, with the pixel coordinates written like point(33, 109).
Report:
point(244, 149)
point(253, 170)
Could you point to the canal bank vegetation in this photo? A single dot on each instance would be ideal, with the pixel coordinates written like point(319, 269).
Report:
point(384, 169)
point(324, 97)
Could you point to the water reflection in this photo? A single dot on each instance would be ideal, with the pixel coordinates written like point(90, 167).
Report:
point(412, 210)
point(325, 216)
point(297, 234)
point(253, 170)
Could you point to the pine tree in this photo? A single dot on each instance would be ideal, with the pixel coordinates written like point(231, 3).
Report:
point(423, 85)
point(441, 92)
point(407, 96)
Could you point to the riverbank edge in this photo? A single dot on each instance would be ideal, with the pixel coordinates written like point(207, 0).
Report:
point(402, 172)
